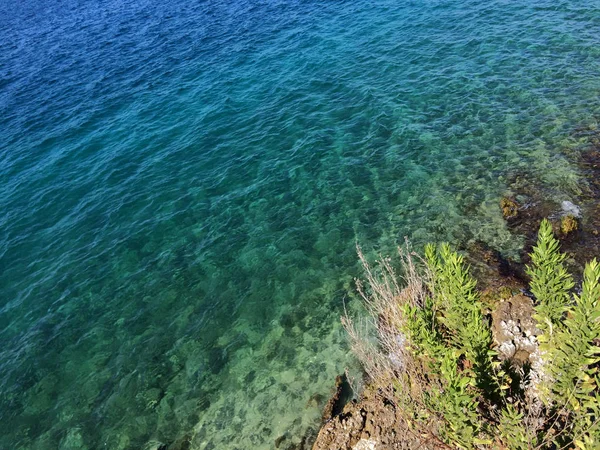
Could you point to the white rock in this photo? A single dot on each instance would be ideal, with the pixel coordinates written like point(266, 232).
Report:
point(365, 444)
point(571, 208)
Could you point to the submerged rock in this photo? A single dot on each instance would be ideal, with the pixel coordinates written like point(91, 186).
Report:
point(342, 395)
point(73, 440)
point(155, 445)
point(493, 271)
point(510, 208)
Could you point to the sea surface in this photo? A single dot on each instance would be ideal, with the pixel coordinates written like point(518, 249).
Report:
point(183, 184)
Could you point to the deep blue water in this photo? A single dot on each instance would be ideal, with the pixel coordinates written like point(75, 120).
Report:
point(182, 185)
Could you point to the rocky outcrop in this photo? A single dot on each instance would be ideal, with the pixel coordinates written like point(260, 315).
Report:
point(374, 423)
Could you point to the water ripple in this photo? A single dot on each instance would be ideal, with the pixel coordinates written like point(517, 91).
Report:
point(182, 185)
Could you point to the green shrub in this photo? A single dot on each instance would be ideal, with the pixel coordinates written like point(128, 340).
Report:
point(434, 353)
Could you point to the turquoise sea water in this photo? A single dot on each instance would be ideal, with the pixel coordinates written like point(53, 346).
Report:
point(182, 185)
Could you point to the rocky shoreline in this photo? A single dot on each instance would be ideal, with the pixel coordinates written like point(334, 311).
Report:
point(373, 421)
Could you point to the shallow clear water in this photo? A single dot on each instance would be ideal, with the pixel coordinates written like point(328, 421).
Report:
point(182, 185)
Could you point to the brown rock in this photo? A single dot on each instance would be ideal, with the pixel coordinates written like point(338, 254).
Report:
point(374, 422)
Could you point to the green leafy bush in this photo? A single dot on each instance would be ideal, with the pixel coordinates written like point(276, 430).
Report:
point(434, 353)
